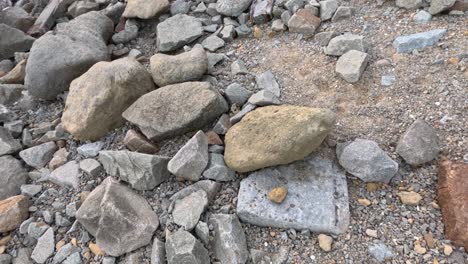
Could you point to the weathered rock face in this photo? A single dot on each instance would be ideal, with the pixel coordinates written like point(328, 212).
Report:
point(12, 176)
point(232, 7)
point(419, 144)
point(13, 211)
point(66, 175)
point(177, 31)
point(10, 93)
point(275, 135)
point(217, 169)
point(187, 211)
point(305, 22)
point(452, 194)
point(13, 40)
point(341, 44)
point(16, 17)
point(182, 247)
point(438, 6)
point(145, 9)
point(135, 141)
point(328, 8)
point(8, 144)
point(120, 219)
point(57, 59)
point(176, 109)
point(38, 156)
point(142, 171)
point(408, 43)
point(45, 247)
point(409, 4)
point(317, 197)
point(351, 65)
point(229, 244)
point(98, 97)
point(188, 66)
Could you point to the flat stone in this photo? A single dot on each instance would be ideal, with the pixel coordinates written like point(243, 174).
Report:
point(409, 4)
point(217, 169)
point(210, 187)
point(8, 144)
point(158, 252)
point(91, 167)
point(229, 243)
point(45, 247)
point(203, 232)
point(419, 144)
point(232, 8)
point(267, 81)
point(213, 43)
point(341, 44)
point(141, 171)
point(177, 31)
point(438, 6)
point(264, 98)
point(145, 9)
point(380, 251)
point(342, 13)
point(409, 198)
point(327, 9)
point(408, 43)
point(120, 219)
point(304, 22)
point(135, 141)
point(261, 11)
point(66, 175)
point(182, 247)
point(351, 65)
point(16, 17)
point(190, 161)
point(13, 40)
point(30, 189)
point(317, 197)
point(38, 156)
point(187, 211)
point(237, 94)
point(238, 67)
point(13, 211)
point(60, 158)
point(188, 106)
point(323, 38)
point(90, 150)
point(422, 17)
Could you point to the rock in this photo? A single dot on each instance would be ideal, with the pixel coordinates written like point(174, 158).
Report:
point(267, 81)
point(135, 141)
point(278, 26)
point(278, 194)
point(447, 250)
point(229, 243)
point(238, 67)
point(452, 193)
point(409, 4)
point(344, 43)
point(351, 65)
point(14, 127)
point(91, 167)
point(304, 22)
point(213, 43)
point(323, 210)
point(380, 252)
point(141, 171)
point(180, 7)
point(90, 150)
point(13, 211)
point(44, 247)
point(261, 257)
point(222, 126)
point(145, 9)
point(129, 33)
point(365, 160)
point(120, 219)
point(187, 211)
point(201, 8)
point(13, 40)
point(371, 233)
point(264, 98)
point(203, 232)
point(114, 11)
point(16, 17)
point(261, 11)
point(78, 8)
point(228, 33)
point(419, 144)
point(182, 247)
point(8, 144)
point(177, 31)
point(419, 249)
point(210, 187)
point(188, 66)
point(16, 75)
point(191, 159)
point(217, 169)
point(232, 8)
point(388, 80)
point(213, 60)
point(422, 17)
point(23, 256)
point(408, 43)
point(409, 198)
point(30, 189)
point(188, 106)
point(342, 13)
point(323, 38)
point(327, 9)
point(57, 59)
point(158, 252)
point(37, 229)
point(66, 175)
point(38, 156)
point(243, 31)
point(74, 258)
point(237, 94)
point(294, 5)
point(325, 242)
point(48, 16)
point(247, 108)
point(60, 158)
point(438, 6)
point(263, 137)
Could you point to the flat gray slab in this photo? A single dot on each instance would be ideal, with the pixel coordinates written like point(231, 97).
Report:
point(317, 197)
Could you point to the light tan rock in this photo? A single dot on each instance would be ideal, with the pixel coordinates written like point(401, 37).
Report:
point(409, 198)
point(275, 135)
point(16, 75)
point(97, 98)
point(13, 211)
point(325, 242)
point(145, 9)
point(278, 194)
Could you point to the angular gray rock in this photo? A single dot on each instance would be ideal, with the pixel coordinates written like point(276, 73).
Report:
point(419, 144)
point(317, 197)
point(8, 144)
point(74, 258)
point(16, 17)
point(267, 81)
point(408, 43)
point(91, 167)
point(422, 17)
point(179, 7)
point(90, 150)
point(323, 38)
point(409, 4)
point(237, 94)
point(184, 67)
point(177, 31)
point(30, 189)
point(222, 126)
point(367, 161)
point(119, 219)
point(13, 40)
point(238, 67)
point(38, 156)
point(141, 171)
point(158, 252)
point(210, 187)
point(23, 256)
point(261, 11)
point(57, 59)
point(229, 243)
point(213, 43)
point(78, 8)
point(264, 98)
point(232, 8)
point(341, 44)
point(342, 13)
point(129, 33)
point(190, 161)
point(12, 176)
point(203, 232)
point(66, 175)
point(351, 65)
point(182, 247)
point(187, 107)
point(245, 110)
point(380, 251)
point(10, 93)
point(327, 9)
point(37, 229)
point(187, 211)
point(64, 252)
point(217, 169)
point(438, 6)
point(45, 247)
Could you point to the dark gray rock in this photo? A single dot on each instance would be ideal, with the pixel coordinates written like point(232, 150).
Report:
point(12, 176)
point(187, 211)
point(45, 247)
point(182, 247)
point(232, 8)
point(229, 243)
point(14, 127)
point(261, 11)
point(13, 40)
point(341, 44)
point(66, 175)
point(264, 98)
point(217, 169)
point(294, 5)
point(8, 144)
point(408, 43)
point(323, 38)
point(221, 127)
point(380, 251)
point(237, 94)
point(158, 252)
point(267, 81)
point(38, 156)
point(327, 9)
point(129, 33)
point(177, 31)
point(16, 17)
point(210, 187)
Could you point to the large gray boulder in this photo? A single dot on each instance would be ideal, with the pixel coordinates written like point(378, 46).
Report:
point(13, 40)
point(12, 176)
point(183, 248)
point(176, 109)
point(177, 31)
point(232, 8)
point(120, 219)
point(229, 243)
point(317, 197)
point(141, 171)
point(58, 58)
point(8, 144)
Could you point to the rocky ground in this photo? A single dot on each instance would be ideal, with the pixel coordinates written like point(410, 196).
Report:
point(262, 131)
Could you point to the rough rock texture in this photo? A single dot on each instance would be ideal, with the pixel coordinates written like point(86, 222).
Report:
point(98, 98)
point(438, 6)
point(210, 187)
point(341, 44)
point(409, 4)
point(351, 65)
point(408, 43)
point(188, 66)
point(13, 40)
point(275, 135)
point(419, 144)
point(217, 169)
point(158, 252)
point(120, 219)
point(66, 175)
point(232, 7)
point(182, 247)
point(305, 22)
point(229, 243)
point(145, 9)
point(141, 171)
point(13, 211)
point(317, 197)
point(38, 156)
point(135, 141)
point(328, 8)
point(8, 144)
point(187, 211)
point(45, 247)
point(176, 109)
point(57, 59)
point(452, 195)
point(16, 17)
point(267, 81)
point(177, 31)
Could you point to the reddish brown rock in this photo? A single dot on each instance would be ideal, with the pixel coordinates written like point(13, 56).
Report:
point(453, 199)
point(213, 138)
point(13, 211)
point(135, 141)
point(304, 22)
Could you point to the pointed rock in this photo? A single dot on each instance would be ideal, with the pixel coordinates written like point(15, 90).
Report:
point(187, 211)
point(13, 211)
point(182, 247)
point(229, 243)
point(45, 247)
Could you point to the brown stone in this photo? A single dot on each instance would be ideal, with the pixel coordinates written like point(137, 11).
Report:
point(135, 141)
point(460, 6)
point(410, 198)
point(60, 158)
point(452, 195)
point(213, 138)
point(278, 194)
point(430, 241)
point(13, 211)
point(304, 22)
point(16, 75)
point(97, 251)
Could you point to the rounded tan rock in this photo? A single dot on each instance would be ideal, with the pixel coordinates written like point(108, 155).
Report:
point(13, 211)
